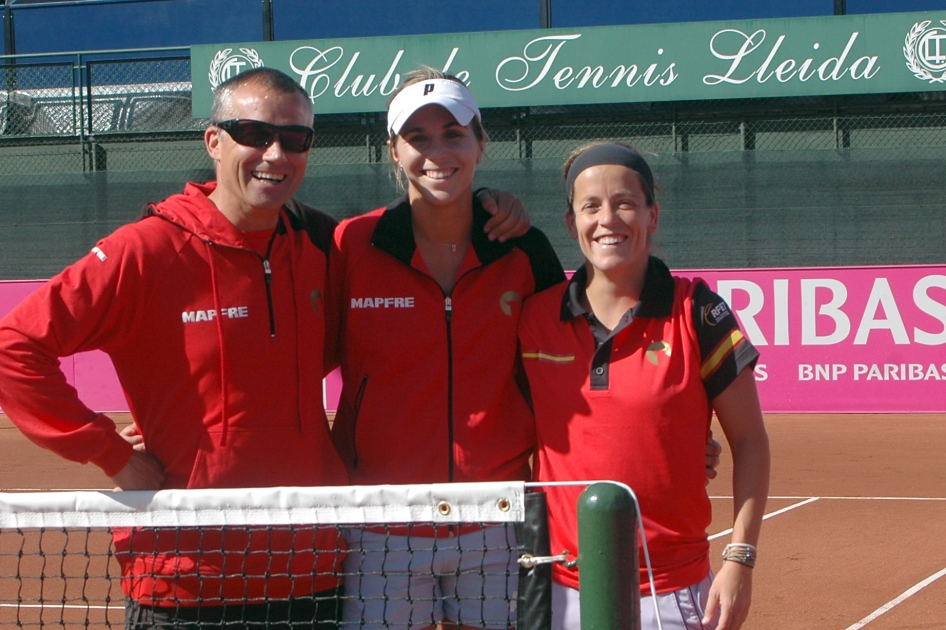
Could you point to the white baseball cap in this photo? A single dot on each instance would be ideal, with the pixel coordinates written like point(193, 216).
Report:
point(453, 96)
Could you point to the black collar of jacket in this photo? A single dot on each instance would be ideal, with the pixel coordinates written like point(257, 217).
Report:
point(319, 226)
point(394, 234)
point(656, 297)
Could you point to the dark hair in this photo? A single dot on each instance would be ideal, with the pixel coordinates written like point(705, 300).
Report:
point(426, 73)
point(651, 189)
point(267, 78)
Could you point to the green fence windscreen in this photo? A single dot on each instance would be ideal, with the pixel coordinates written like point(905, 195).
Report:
point(812, 181)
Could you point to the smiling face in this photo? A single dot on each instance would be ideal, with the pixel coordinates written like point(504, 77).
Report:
point(438, 155)
point(253, 183)
point(611, 219)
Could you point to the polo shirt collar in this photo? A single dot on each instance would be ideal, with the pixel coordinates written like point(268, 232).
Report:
point(656, 301)
point(656, 297)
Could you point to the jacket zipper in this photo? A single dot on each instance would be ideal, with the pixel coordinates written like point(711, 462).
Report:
point(448, 316)
point(448, 313)
point(268, 274)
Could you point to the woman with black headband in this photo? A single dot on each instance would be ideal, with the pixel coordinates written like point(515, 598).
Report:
point(626, 364)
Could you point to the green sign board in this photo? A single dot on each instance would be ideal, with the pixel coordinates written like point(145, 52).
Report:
point(894, 52)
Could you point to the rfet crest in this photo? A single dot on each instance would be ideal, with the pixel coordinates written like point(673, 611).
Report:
point(228, 64)
point(925, 50)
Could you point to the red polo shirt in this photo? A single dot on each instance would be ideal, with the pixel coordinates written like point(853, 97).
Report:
point(632, 405)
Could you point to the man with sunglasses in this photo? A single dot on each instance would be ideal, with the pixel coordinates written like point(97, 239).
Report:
point(212, 310)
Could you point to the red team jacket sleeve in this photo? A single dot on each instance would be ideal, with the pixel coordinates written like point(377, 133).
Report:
point(80, 309)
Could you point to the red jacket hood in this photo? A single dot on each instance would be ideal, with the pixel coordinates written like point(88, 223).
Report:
point(193, 211)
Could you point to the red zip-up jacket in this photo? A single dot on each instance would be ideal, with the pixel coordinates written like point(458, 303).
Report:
point(430, 393)
point(221, 363)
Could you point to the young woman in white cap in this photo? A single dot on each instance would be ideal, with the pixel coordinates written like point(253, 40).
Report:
point(626, 365)
point(427, 346)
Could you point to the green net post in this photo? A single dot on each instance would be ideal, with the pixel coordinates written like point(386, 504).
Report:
point(610, 580)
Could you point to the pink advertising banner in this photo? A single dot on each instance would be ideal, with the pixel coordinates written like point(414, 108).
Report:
point(833, 339)
point(91, 373)
point(837, 339)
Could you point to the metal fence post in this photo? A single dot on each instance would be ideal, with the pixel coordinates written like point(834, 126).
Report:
point(545, 13)
point(9, 45)
point(610, 575)
point(269, 28)
point(9, 33)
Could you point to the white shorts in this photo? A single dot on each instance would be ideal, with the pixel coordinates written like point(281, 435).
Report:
point(679, 610)
point(396, 581)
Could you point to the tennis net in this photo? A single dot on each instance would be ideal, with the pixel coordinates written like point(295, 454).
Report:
point(266, 557)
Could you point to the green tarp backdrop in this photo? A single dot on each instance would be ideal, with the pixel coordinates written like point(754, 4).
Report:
point(815, 141)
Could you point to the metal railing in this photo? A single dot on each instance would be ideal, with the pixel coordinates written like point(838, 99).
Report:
point(130, 110)
point(74, 100)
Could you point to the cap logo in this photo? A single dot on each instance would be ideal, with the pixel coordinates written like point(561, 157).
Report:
point(451, 95)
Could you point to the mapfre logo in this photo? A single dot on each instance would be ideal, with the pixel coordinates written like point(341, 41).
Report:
point(925, 51)
point(226, 65)
point(383, 302)
point(208, 315)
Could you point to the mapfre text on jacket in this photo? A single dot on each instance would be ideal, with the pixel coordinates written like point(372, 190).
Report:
point(234, 312)
point(383, 302)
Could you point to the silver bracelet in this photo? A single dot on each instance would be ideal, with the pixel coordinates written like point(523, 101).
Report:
point(742, 553)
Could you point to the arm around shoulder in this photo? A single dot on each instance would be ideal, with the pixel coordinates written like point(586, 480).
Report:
point(546, 267)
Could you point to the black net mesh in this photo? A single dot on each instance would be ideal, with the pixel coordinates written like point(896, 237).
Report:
point(277, 558)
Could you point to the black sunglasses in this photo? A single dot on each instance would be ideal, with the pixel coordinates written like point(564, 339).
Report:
point(256, 133)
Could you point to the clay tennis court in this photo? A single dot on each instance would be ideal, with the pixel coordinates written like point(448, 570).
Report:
point(856, 532)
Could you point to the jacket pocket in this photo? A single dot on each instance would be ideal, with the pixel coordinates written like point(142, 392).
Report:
point(345, 427)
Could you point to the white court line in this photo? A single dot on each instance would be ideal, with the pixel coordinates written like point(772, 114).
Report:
point(788, 497)
point(770, 515)
point(63, 606)
point(884, 498)
point(899, 600)
point(892, 603)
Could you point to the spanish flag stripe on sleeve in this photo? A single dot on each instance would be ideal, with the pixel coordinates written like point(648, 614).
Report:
point(720, 352)
point(542, 356)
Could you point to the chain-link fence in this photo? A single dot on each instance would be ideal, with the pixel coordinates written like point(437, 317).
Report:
point(837, 180)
